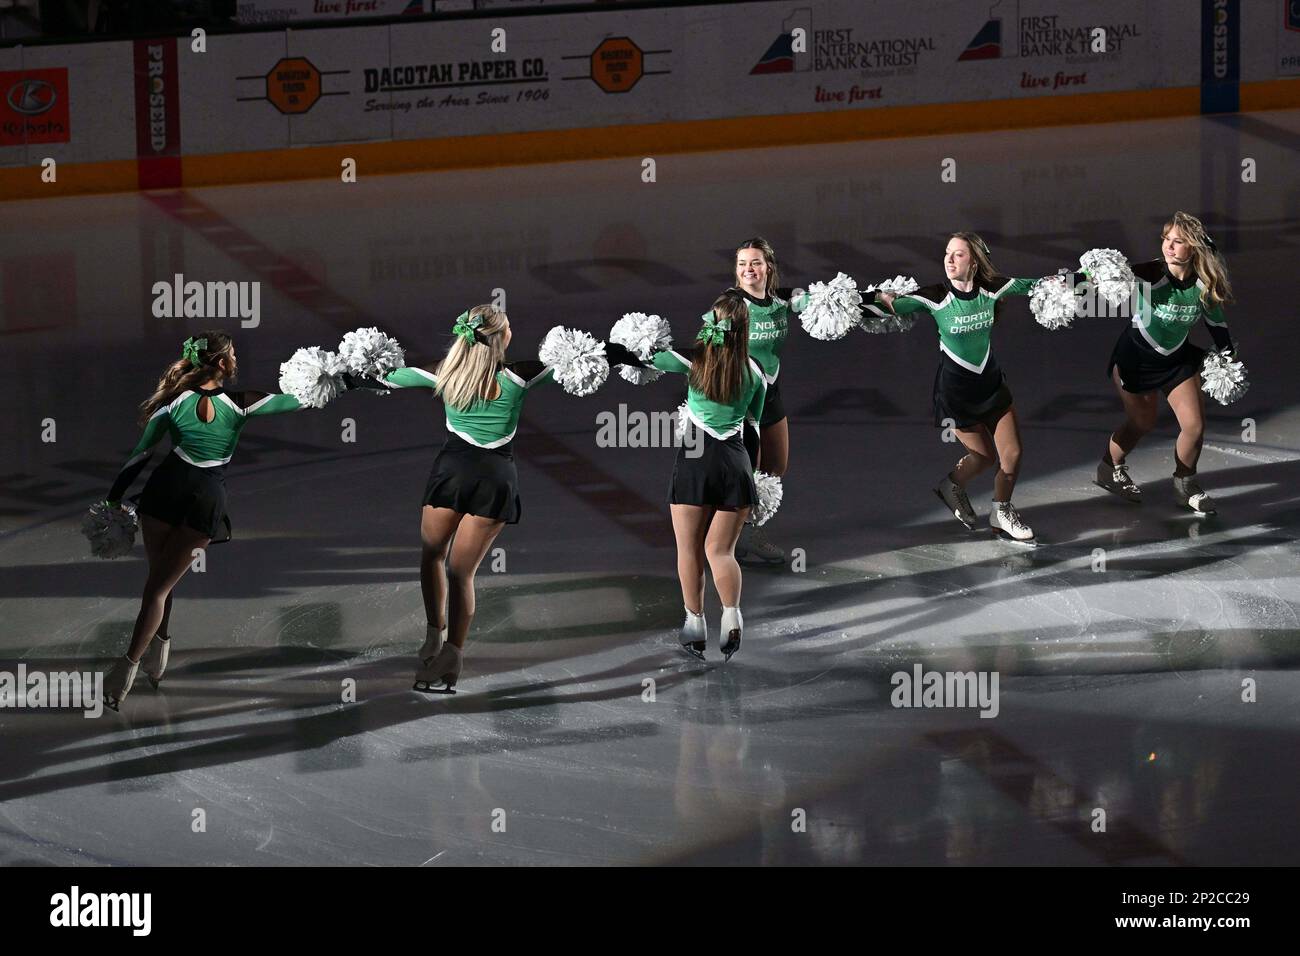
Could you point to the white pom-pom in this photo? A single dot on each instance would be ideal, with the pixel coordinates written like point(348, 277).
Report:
point(1109, 273)
point(681, 423)
point(313, 376)
point(880, 324)
point(832, 308)
point(579, 359)
point(769, 497)
point(1223, 378)
point(1053, 302)
point(110, 530)
point(642, 334)
point(639, 376)
point(370, 353)
point(899, 285)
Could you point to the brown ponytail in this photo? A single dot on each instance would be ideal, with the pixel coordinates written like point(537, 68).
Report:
point(983, 259)
point(184, 374)
point(719, 372)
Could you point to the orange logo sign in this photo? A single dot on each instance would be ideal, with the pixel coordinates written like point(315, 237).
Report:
point(617, 64)
point(293, 85)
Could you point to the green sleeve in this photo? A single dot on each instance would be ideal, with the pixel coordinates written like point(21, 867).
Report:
point(273, 404)
point(906, 305)
point(1215, 316)
point(669, 361)
point(1019, 287)
point(755, 412)
point(154, 429)
point(411, 377)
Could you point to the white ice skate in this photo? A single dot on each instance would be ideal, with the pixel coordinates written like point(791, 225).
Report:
point(956, 500)
point(118, 681)
point(439, 675)
point(1189, 494)
point(1006, 520)
point(154, 661)
point(434, 638)
point(729, 633)
point(694, 634)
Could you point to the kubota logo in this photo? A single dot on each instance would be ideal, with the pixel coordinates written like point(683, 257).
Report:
point(31, 97)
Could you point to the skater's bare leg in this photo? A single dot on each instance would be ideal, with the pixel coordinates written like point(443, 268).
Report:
point(1140, 412)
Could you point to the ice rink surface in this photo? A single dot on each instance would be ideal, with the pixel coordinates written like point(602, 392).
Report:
point(1121, 642)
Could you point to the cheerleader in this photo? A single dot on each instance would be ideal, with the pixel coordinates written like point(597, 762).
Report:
point(757, 279)
point(183, 505)
point(970, 388)
point(473, 487)
point(712, 489)
point(1153, 355)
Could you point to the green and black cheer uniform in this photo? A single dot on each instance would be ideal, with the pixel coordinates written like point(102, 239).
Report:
point(769, 325)
point(969, 385)
point(722, 475)
point(475, 471)
point(1154, 351)
point(189, 487)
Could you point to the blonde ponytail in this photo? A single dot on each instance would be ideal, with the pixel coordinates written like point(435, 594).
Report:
point(468, 373)
point(1208, 264)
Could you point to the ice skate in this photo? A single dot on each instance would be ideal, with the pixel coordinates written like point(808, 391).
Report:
point(1189, 494)
point(956, 500)
point(118, 681)
point(154, 661)
point(729, 633)
point(1005, 520)
point(439, 675)
point(755, 548)
point(694, 634)
point(434, 638)
point(1116, 480)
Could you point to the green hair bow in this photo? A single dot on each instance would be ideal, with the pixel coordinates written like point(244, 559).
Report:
point(465, 326)
point(712, 332)
point(192, 349)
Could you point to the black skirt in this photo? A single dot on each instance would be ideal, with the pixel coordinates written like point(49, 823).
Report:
point(969, 398)
point(773, 407)
point(718, 476)
point(475, 481)
point(1143, 369)
point(179, 493)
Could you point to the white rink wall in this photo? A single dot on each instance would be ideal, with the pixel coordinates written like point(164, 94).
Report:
point(835, 67)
